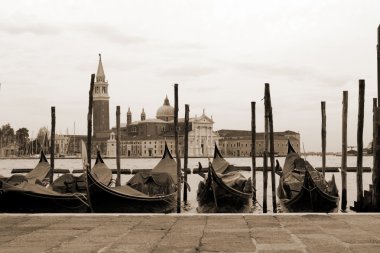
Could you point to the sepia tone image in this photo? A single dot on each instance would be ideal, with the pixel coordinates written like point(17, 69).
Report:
point(189, 126)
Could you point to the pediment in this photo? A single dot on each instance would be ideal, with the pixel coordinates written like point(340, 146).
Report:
point(203, 119)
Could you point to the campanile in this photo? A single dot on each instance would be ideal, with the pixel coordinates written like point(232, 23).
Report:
point(101, 101)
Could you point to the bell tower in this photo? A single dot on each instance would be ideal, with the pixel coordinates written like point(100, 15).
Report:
point(101, 101)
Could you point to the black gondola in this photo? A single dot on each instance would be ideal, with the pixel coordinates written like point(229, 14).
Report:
point(28, 194)
point(152, 191)
point(303, 189)
point(224, 190)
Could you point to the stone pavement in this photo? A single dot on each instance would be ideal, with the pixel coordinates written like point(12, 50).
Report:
point(190, 233)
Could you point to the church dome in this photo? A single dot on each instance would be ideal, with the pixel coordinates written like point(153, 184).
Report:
point(166, 111)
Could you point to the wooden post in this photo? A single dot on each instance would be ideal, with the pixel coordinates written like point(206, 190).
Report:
point(374, 106)
point(268, 105)
point(376, 141)
point(253, 149)
point(323, 108)
point(186, 152)
point(89, 136)
point(378, 63)
point(344, 151)
point(52, 145)
point(376, 157)
point(178, 158)
point(359, 161)
point(89, 120)
point(265, 169)
point(118, 136)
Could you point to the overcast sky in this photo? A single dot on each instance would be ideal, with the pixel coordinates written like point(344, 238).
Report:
point(219, 52)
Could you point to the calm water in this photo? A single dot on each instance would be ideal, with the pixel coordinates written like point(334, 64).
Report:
point(6, 165)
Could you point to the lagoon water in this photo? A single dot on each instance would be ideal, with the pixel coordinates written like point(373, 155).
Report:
point(6, 165)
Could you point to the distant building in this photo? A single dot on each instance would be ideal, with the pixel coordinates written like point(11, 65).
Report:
point(239, 142)
point(61, 143)
point(10, 150)
point(147, 137)
point(75, 146)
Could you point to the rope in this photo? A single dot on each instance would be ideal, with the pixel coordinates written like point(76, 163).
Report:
point(78, 195)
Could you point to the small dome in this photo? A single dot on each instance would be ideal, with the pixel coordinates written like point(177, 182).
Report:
point(166, 111)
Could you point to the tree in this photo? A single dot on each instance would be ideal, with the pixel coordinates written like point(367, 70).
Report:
point(7, 134)
point(22, 138)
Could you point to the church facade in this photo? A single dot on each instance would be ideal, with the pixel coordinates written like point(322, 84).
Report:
point(147, 136)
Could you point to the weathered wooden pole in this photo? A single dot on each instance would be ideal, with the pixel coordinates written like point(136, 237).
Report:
point(376, 157)
point(323, 109)
point(376, 141)
point(344, 151)
point(89, 120)
point(52, 145)
point(374, 106)
point(359, 161)
point(378, 63)
point(118, 137)
point(253, 149)
point(186, 153)
point(178, 158)
point(265, 164)
point(89, 136)
point(268, 104)
point(265, 183)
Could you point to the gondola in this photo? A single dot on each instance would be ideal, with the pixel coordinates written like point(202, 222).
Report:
point(29, 194)
point(303, 189)
point(224, 190)
point(152, 191)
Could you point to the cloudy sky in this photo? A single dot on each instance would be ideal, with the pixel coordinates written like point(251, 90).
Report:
point(220, 52)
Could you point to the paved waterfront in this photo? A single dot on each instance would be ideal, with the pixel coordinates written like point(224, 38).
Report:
point(185, 233)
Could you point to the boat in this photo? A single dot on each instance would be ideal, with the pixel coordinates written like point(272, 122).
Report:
point(303, 189)
point(30, 194)
point(152, 191)
point(224, 189)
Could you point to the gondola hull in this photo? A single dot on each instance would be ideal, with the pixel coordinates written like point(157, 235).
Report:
point(15, 201)
point(310, 201)
point(310, 198)
point(224, 200)
point(104, 199)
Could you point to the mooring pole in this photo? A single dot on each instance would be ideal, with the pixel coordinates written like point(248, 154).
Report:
point(344, 151)
point(52, 145)
point(376, 142)
point(378, 63)
point(186, 153)
point(323, 109)
point(89, 136)
point(89, 120)
point(266, 143)
point(178, 158)
point(376, 157)
point(118, 136)
point(268, 104)
point(359, 161)
point(253, 149)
